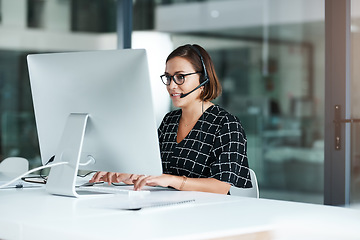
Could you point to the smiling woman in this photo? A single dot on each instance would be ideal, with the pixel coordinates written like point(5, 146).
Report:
point(203, 147)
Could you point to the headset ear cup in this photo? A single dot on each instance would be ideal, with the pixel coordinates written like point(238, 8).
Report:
point(205, 79)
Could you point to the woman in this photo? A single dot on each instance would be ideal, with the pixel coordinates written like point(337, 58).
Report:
point(203, 147)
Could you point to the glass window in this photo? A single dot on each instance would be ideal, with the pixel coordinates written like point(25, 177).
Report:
point(39, 26)
point(93, 16)
point(18, 128)
point(269, 56)
point(35, 13)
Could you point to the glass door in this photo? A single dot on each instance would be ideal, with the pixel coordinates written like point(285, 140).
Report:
point(355, 103)
point(269, 57)
point(342, 114)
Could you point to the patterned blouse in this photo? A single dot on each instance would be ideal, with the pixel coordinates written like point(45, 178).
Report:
point(214, 148)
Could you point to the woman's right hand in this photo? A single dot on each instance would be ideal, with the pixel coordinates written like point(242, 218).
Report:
point(112, 177)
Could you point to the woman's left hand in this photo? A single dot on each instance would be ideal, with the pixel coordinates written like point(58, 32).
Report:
point(182, 183)
point(163, 180)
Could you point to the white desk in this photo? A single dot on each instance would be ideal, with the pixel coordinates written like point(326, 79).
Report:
point(34, 214)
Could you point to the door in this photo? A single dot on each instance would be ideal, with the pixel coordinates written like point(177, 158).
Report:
point(355, 102)
point(342, 54)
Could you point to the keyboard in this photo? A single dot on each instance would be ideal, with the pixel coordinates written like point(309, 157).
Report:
point(104, 188)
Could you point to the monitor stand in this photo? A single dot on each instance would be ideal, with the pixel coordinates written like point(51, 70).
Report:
point(62, 178)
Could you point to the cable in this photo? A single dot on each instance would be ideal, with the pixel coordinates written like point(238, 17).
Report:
point(49, 161)
point(201, 126)
point(86, 174)
point(90, 161)
point(31, 171)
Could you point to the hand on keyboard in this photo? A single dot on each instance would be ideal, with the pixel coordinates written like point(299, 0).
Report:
point(112, 177)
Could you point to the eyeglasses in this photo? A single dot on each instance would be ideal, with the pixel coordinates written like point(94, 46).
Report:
point(178, 78)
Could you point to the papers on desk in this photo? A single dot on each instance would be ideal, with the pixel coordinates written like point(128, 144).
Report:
point(141, 205)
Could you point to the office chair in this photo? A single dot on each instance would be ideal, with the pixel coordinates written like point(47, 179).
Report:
point(247, 192)
point(15, 165)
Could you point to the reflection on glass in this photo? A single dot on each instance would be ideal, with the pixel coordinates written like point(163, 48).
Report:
point(272, 73)
point(18, 135)
point(33, 24)
point(280, 113)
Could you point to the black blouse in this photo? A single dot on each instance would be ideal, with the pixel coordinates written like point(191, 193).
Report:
point(214, 148)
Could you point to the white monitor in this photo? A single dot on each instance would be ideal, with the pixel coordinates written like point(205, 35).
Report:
point(94, 108)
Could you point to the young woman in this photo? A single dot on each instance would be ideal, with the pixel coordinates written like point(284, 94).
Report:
point(203, 147)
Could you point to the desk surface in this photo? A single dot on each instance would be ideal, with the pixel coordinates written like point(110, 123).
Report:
point(35, 214)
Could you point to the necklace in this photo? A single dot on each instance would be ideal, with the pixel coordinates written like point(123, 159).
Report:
point(190, 123)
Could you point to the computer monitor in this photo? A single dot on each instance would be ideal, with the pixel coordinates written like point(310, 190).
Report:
point(94, 110)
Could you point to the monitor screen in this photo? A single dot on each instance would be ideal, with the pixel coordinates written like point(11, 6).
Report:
point(112, 89)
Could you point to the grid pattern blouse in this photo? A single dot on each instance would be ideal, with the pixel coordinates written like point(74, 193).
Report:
point(214, 148)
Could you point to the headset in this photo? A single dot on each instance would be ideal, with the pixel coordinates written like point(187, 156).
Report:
point(205, 78)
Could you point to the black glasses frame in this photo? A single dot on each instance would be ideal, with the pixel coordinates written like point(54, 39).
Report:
point(167, 79)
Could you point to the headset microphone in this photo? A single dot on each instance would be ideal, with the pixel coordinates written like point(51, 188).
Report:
point(206, 78)
point(200, 85)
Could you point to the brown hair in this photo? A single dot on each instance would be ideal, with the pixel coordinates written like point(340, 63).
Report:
point(212, 89)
